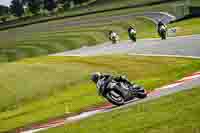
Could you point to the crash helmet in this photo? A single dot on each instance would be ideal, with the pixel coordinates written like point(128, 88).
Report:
point(110, 32)
point(130, 26)
point(95, 76)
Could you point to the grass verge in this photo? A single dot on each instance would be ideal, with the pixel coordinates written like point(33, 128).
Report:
point(26, 44)
point(187, 27)
point(35, 90)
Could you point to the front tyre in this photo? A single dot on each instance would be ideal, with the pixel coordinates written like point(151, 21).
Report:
point(163, 35)
point(115, 98)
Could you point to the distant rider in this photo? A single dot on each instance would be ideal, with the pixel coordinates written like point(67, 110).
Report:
point(112, 35)
point(132, 33)
point(160, 24)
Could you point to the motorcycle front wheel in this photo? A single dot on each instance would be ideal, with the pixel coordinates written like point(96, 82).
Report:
point(163, 35)
point(133, 38)
point(115, 99)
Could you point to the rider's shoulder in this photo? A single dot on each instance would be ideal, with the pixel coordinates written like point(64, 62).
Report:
point(106, 75)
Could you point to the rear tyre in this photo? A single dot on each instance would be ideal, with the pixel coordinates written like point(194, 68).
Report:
point(141, 95)
point(114, 41)
point(116, 100)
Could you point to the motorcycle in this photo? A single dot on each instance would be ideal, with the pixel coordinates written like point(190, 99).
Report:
point(114, 39)
point(118, 93)
point(132, 35)
point(163, 32)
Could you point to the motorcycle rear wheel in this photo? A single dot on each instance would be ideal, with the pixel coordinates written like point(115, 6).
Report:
point(141, 95)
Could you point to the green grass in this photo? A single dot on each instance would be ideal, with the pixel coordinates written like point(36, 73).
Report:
point(171, 114)
point(195, 3)
point(24, 42)
point(187, 27)
point(35, 90)
point(101, 5)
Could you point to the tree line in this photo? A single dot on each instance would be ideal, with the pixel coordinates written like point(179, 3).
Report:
point(20, 8)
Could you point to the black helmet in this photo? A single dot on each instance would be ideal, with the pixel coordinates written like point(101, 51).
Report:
point(110, 32)
point(95, 76)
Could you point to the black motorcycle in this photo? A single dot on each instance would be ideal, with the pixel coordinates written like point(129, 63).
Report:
point(119, 93)
point(162, 32)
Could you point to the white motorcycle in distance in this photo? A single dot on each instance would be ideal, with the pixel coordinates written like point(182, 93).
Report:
point(162, 31)
point(114, 37)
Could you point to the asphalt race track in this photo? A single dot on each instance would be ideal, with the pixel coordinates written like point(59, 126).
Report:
point(174, 46)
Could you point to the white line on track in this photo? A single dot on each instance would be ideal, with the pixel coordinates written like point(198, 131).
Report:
point(164, 55)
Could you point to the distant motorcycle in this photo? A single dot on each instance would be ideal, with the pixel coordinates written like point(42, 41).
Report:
point(119, 92)
point(132, 35)
point(114, 37)
point(162, 31)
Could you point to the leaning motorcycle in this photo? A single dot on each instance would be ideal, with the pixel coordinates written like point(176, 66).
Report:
point(163, 32)
point(118, 93)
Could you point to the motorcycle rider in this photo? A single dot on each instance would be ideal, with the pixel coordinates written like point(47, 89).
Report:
point(160, 24)
point(117, 90)
point(162, 28)
point(112, 35)
point(106, 78)
point(132, 33)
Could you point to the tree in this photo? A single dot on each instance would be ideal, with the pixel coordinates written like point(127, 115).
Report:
point(62, 1)
point(66, 4)
point(34, 6)
point(3, 10)
point(16, 8)
point(4, 13)
point(79, 1)
point(50, 5)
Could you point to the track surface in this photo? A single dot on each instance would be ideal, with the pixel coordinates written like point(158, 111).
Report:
point(176, 46)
